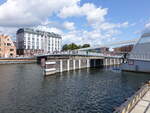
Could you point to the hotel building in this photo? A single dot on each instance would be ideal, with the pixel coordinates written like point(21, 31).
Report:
point(30, 42)
point(7, 47)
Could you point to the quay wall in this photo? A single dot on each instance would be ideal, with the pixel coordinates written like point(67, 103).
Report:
point(17, 60)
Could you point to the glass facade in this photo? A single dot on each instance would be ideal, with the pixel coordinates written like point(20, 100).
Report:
point(141, 50)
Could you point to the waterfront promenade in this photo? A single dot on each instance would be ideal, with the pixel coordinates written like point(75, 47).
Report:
point(138, 103)
point(143, 106)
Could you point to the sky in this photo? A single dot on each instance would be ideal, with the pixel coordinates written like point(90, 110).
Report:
point(80, 21)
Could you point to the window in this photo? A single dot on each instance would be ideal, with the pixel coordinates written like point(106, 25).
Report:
point(8, 44)
point(11, 49)
point(11, 54)
point(144, 40)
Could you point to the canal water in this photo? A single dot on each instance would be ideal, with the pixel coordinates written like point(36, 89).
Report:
point(23, 89)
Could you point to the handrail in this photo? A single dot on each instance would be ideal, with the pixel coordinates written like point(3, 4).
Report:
point(132, 101)
point(82, 53)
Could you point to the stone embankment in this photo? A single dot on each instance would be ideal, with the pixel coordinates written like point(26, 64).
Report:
point(26, 60)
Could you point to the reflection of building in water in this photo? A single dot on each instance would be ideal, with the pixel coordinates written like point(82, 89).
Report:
point(7, 47)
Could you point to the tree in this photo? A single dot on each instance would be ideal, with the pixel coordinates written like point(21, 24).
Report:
point(73, 46)
point(65, 47)
point(86, 45)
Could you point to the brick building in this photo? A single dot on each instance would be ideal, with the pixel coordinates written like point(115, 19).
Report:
point(7, 47)
point(123, 49)
point(102, 49)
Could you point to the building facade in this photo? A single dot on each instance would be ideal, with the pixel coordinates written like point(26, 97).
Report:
point(31, 42)
point(139, 58)
point(7, 47)
point(102, 50)
point(124, 49)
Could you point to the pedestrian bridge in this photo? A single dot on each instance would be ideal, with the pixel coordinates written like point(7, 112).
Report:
point(80, 53)
point(72, 60)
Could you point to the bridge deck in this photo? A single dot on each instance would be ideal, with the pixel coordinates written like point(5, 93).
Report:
point(143, 106)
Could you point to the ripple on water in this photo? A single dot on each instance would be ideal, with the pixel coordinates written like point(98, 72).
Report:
point(23, 89)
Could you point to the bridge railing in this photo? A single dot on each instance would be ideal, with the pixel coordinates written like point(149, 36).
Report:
point(82, 53)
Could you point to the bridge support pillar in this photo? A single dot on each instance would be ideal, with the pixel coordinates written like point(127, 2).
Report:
point(115, 61)
point(61, 66)
point(110, 61)
point(79, 64)
point(120, 61)
point(74, 64)
point(106, 62)
point(68, 65)
point(88, 63)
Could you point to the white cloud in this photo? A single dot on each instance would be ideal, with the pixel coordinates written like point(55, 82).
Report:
point(29, 13)
point(92, 13)
point(147, 25)
point(108, 26)
point(146, 28)
point(93, 37)
point(69, 25)
point(37, 13)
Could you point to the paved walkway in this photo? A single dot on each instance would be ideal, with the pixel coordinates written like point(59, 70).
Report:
point(143, 106)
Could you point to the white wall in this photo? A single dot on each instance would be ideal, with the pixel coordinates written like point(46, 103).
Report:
point(48, 44)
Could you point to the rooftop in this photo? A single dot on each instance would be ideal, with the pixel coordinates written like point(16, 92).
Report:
point(38, 32)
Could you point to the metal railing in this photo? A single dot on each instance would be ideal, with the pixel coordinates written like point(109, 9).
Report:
point(132, 101)
point(81, 53)
point(140, 56)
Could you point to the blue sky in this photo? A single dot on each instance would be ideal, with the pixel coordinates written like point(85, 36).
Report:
point(80, 21)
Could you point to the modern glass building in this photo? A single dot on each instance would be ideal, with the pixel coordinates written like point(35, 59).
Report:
point(30, 42)
point(141, 50)
point(139, 58)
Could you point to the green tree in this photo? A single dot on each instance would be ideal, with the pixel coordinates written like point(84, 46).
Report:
point(65, 47)
point(73, 46)
point(86, 45)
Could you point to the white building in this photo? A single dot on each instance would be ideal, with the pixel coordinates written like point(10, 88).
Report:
point(31, 42)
